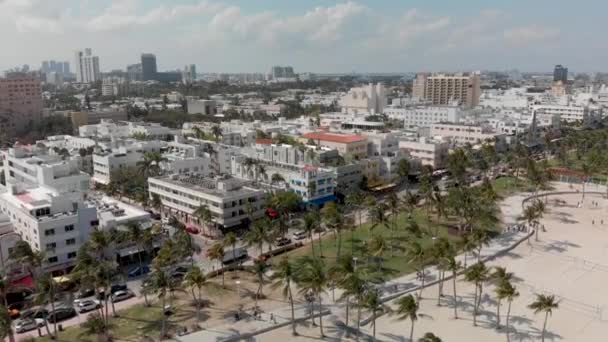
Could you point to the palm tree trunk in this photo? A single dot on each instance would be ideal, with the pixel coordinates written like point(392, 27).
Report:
point(544, 327)
point(374, 323)
point(507, 321)
point(358, 318)
point(140, 268)
point(339, 243)
point(223, 276)
point(455, 298)
point(475, 306)
point(347, 307)
point(412, 332)
point(321, 315)
point(48, 330)
point(439, 275)
point(312, 244)
point(55, 335)
point(498, 314)
point(198, 305)
point(293, 315)
point(162, 323)
point(480, 295)
point(320, 244)
point(465, 259)
point(422, 285)
point(312, 313)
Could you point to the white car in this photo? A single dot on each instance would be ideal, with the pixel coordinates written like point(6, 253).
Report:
point(25, 325)
point(299, 235)
point(122, 295)
point(87, 305)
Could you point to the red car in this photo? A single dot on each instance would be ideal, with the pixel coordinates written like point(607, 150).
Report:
point(192, 230)
point(272, 213)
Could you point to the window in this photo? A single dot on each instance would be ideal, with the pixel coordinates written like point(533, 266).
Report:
point(69, 227)
point(52, 260)
point(49, 232)
point(51, 245)
point(70, 242)
point(71, 255)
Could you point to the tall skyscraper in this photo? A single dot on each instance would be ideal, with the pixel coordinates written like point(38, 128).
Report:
point(66, 67)
point(87, 67)
point(444, 90)
point(189, 74)
point(45, 66)
point(148, 65)
point(560, 73)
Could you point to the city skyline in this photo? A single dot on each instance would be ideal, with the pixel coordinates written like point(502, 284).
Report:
point(316, 36)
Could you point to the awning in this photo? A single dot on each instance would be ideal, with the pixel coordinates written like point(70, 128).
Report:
point(27, 282)
point(61, 279)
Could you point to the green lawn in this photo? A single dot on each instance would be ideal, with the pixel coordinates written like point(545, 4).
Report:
point(506, 186)
point(394, 264)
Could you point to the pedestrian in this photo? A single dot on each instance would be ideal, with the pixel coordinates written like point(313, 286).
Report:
point(592, 221)
point(602, 221)
point(272, 318)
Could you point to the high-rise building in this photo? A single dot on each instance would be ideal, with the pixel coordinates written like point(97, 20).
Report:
point(134, 72)
point(560, 73)
point(20, 102)
point(66, 67)
point(148, 66)
point(189, 74)
point(278, 72)
point(441, 89)
point(45, 66)
point(87, 67)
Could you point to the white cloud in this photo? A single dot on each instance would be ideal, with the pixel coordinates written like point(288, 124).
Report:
point(522, 36)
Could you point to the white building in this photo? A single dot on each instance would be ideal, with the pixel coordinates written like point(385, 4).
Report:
point(368, 99)
point(384, 149)
point(229, 200)
point(428, 151)
point(8, 238)
point(462, 134)
point(424, 116)
point(567, 113)
point(87, 67)
point(114, 214)
point(108, 129)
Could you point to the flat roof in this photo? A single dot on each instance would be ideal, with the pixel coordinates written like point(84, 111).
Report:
point(210, 186)
point(333, 137)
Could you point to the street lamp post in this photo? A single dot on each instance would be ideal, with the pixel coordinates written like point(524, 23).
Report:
point(238, 288)
point(355, 262)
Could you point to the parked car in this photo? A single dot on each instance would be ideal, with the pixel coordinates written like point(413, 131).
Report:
point(80, 296)
point(88, 305)
point(299, 235)
point(118, 287)
point(34, 313)
point(29, 324)
point(138, 271)
point(238, 255)
point(122, 295)
point(192, 230)
point(61, 314)
point(282, 241)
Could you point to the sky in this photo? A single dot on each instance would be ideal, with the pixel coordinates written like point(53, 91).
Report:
point(310, 35)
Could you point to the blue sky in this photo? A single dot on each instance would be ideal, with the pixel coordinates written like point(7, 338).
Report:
point(311, 35)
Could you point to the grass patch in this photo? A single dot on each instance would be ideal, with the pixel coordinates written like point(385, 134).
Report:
point(394, 263)
point(507, 186)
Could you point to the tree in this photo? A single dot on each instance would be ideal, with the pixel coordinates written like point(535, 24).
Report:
point(276, 178)
point(6, 327)
point(45, 295)
point(429, 337)
point(477, 274)
point(135, 233)
point(230, 240)
point(373, 303)
point(260, 267)
point(546, 304)
point(356, 201)
point(284, 276)
point(457, 162)
point(156, 202)
point(216, 252)
point(481, 237)
point(498, 277)
point(216, 131)
point(407, 308)
point(313, 279)
point(310, 224)
point(507, 291)
point(341, 274)
point(587, 169)
point(417, 255)
point(425, 190)
point(204, 215)
point(259, 234)
point(454, 266)
point(160, 284)
point(403, 170)
point(196, 279)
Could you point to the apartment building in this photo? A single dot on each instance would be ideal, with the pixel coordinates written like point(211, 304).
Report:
point(107, 129)
point(462, 134)
point(568, 113)
point(228, 199)
point(346, 144)
point(20, 102)
point(383, 157)
point(8, 239)
point(443, 89)
point(425, 116)
point(367, 99)
point(429, 152)
point(87, 67)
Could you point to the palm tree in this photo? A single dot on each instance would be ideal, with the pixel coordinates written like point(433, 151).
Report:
point(403, 170)
point(276, 178)
point(230, 239)
point(313, 278)
point(376, 247)
point(546, 304)
point(260, 267)
point(205, 215)
point(531, 216)
point(258, 234)
point(45, 294)
point(95, 325)
point(407, 308)
point(284, 276)
point(156, 203)
point(355, 286)
point(196, 279)
point(310, 224)
point(216, 252)
point(377, 216)
point(429, 337)
point(477, 274)
point(394, 206)
point(439, 251)
point(6, 327)
point(454, 266)
point(160, 284)
point(498, 277)
point(507, 291)
point(341, 273)
point(587, 169)
point(260, 170)
point(216, 131)
point(135, 234)
point(356, 201)
point(416, 255)
point(481, 237)
point(373, 303)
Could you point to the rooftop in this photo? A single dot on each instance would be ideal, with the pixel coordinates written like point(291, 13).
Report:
point(219, 187)
point(337, 138)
